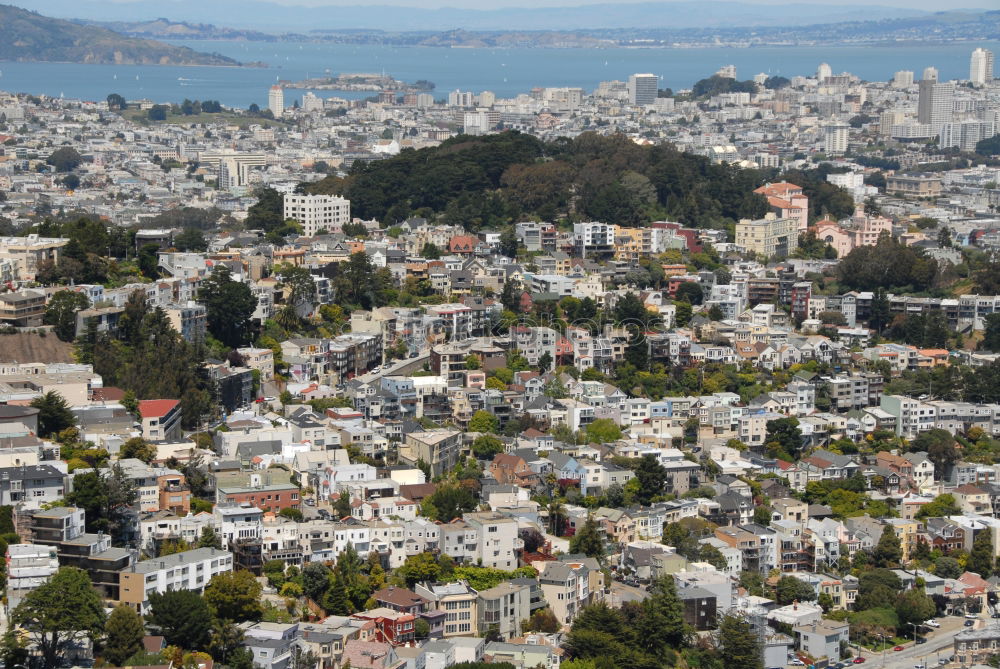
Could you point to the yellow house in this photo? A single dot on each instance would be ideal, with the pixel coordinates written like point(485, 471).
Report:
point(906, 531)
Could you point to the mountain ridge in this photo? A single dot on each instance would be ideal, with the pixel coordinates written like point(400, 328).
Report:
point(270, 17)
point(27, 36)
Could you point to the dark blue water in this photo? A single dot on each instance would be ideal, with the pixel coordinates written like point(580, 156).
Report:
point(506, 72)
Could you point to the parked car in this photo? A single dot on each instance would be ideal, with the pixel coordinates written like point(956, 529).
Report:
point(921, 639)
point(859, 660)
point(932, 623)
point(898, 648)
point(970, 623)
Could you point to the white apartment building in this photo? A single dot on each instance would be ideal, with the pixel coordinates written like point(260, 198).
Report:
point(981, 67)
point(28, 566)
point(935, 103)
point(912, 416)
point(498, 539)
point(276, 100)
point(318, 212)
point(835, 138)
point(189, 570)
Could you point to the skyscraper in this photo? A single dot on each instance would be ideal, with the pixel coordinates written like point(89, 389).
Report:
point(823, 72)
point(276, 100)
point(981, 67)
point(835, 138)
point(902, 79)
point(642, 89)
point(936, 101)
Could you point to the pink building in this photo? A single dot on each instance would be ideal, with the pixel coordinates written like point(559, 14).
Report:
point(859, 230)
point(787, 201)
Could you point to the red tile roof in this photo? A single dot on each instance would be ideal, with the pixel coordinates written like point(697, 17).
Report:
point(156, 408)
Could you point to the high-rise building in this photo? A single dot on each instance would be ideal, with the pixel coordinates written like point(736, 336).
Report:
point(769, 237)
point(966, 134)
point(642, 89)
point(835, 138)
point(276, 100)
point(318, 212)
point(981, 67)
point(312, 102)
point(823, 72)
point(902, 79)
point(936, 101)
point(726, 72)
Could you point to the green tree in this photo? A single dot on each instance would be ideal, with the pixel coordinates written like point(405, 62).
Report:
point(191, 239)
point(690, 292)
point(784, 438)
point(738, 643)
point(235, 596)
point(508, 242)
point(651, 477)
point(791, 589)
point(14, 648)
point(315, 580)
point(484, 421)
point(137, 448)
point(116, 102)
point(448, 502)
point(941, 449)
point(888, 552)
point(209, 539)
point(430, 251)
point(147, 261)
point(183, 618)
point(914, 606)
point(337, 602)
point(64, 609)
point(947, 567)
point(981, 557)
point(229, 306)
point(879, 315)
point(227, 642)
point(543, 620)
point(54, 414)
point(588, 540)
point(61, 312)
point(487, 446)
point(942, 505)
point(267, 213)
point(991, 334)
point(661, 625)
point(343, 505)
point(123, 635)
point(603, 431)
point(292, 514)
point(64, 159)
point(419, 568)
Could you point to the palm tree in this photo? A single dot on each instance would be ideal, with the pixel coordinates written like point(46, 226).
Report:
point(557, 517)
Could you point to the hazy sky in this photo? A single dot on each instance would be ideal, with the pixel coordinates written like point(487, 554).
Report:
point(928, 5)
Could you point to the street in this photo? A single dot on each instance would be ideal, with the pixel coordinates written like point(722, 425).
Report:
point(621, 593)
point(939, 644)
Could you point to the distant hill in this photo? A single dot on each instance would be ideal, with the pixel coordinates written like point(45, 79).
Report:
point(272, 16)
point(167, 29)
point(28, 36)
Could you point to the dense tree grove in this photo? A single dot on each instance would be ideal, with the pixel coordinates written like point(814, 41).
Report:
point(497, 179)
point(890, 265)
point(148, 357)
